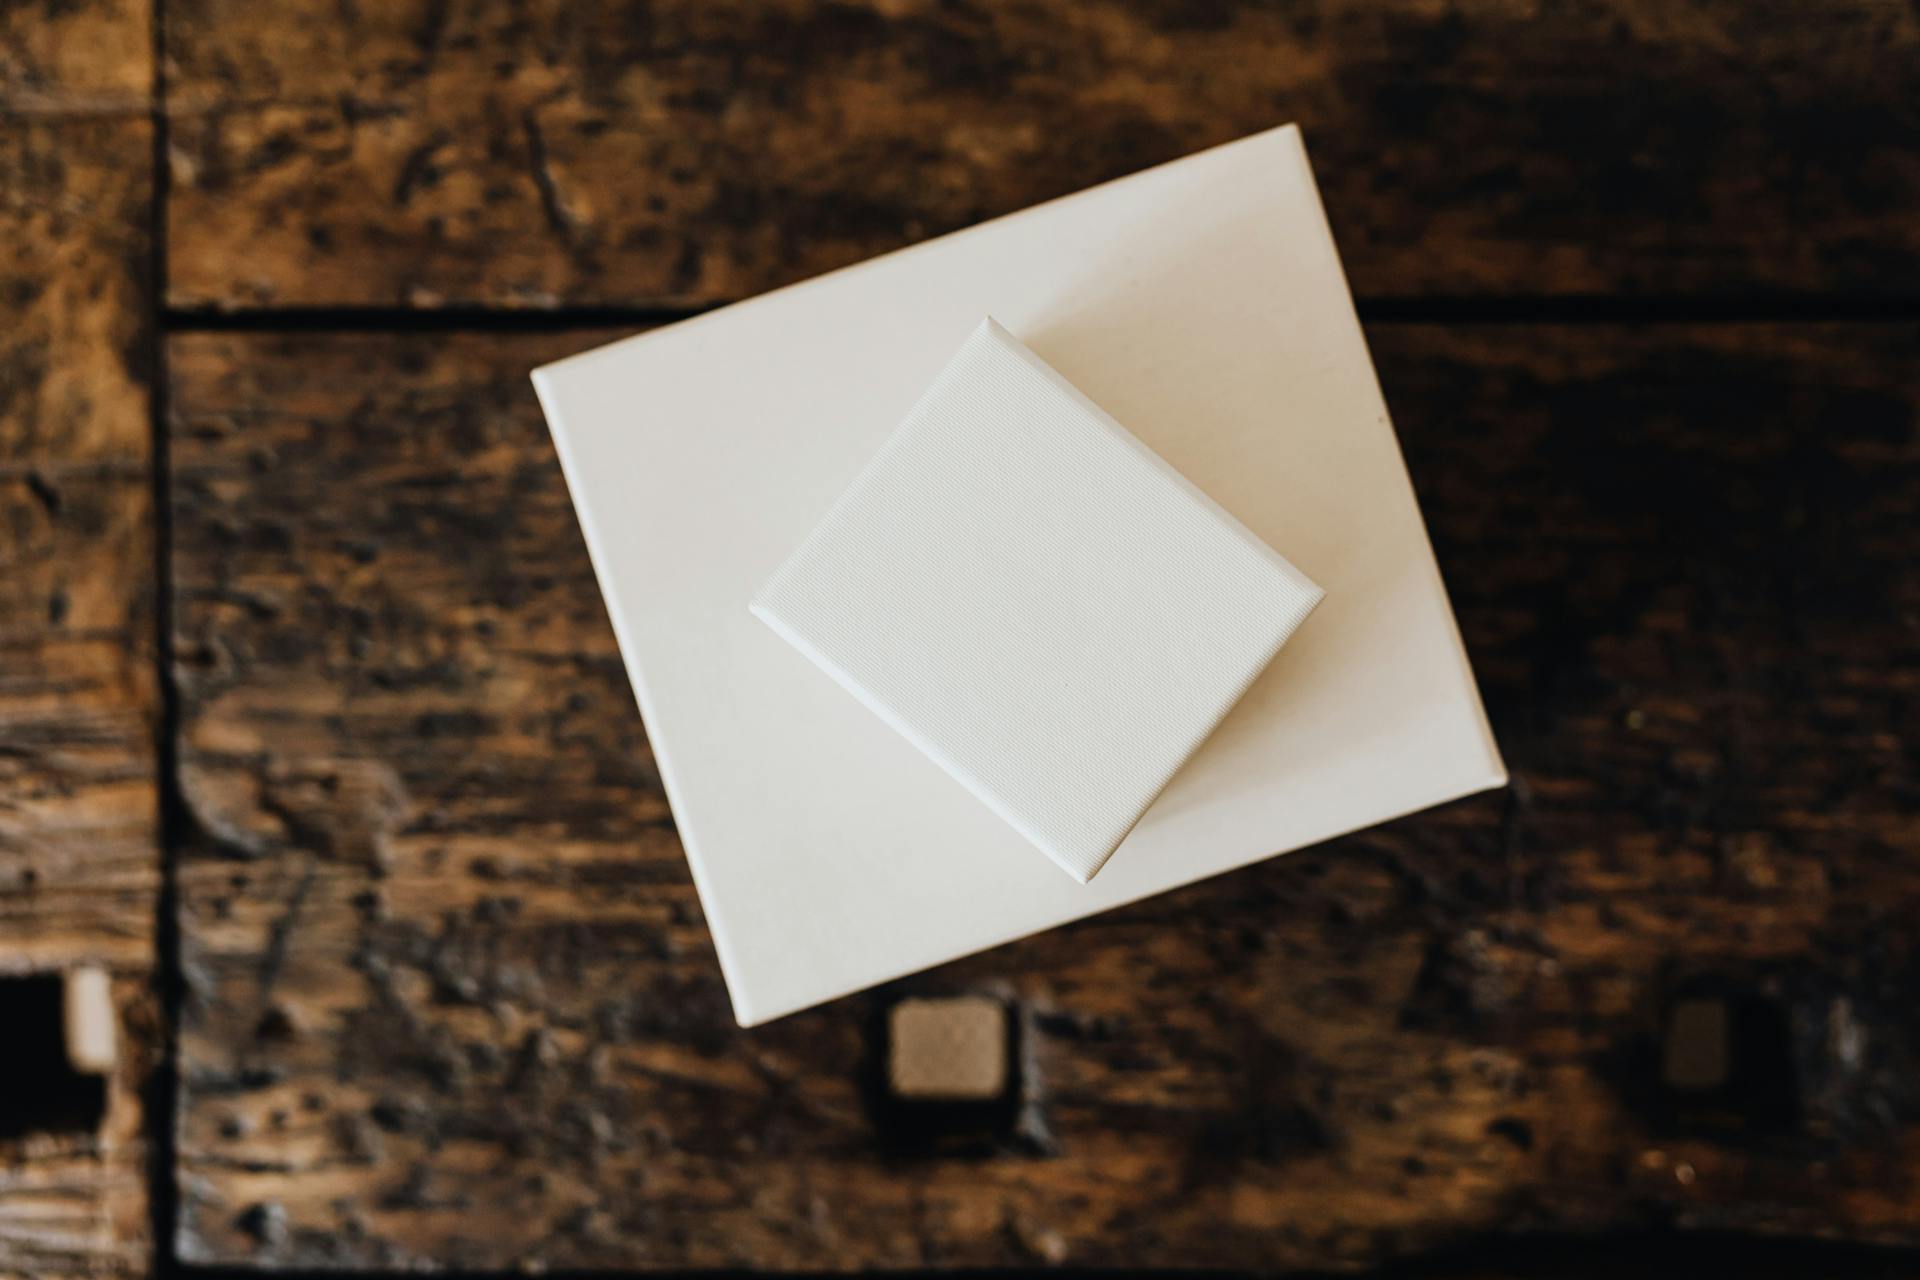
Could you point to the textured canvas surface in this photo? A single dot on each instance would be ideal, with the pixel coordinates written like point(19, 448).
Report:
point(1037, 600)
point(1200, 303)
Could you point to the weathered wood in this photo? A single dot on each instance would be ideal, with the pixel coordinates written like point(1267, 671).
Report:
point(79, 845)
point(77, 58)
point(451, 998)
point(534, 154)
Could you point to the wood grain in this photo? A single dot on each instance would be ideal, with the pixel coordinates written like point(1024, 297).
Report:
point(79, 844)
point(686, 152)
point(76, 58)
point(451, 998)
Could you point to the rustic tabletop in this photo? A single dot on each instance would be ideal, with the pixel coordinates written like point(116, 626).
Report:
point(314, 736)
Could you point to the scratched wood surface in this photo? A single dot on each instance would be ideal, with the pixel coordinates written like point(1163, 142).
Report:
point(540, 154)
point(450, 997)
point(79, 846)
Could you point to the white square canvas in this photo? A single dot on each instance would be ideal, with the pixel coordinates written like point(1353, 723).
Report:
point(1202, 304)
point(1036, 600)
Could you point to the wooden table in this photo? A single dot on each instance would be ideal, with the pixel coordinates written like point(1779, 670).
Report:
point(313, 732)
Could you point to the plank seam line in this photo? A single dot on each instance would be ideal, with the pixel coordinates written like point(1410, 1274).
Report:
point(162, 1098)
point(1553, 309)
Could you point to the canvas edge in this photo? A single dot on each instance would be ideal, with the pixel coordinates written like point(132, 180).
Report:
point(1452, 795)
point(1490, 745)
point(549, 396)
point(680, 328)
point(1304, 586)
point(947, 765)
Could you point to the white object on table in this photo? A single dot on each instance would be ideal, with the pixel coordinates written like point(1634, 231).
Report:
point(1202, 304)
point(1036, 600)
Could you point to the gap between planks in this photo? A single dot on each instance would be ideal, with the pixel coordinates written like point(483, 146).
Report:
point(1562, 309)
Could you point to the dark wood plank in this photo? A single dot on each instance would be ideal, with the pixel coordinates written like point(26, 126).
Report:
point(452, 999)
point(77, 57)
point(79, 846)
point(532, 155)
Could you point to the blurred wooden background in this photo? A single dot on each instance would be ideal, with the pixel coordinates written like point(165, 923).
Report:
point(313, 733)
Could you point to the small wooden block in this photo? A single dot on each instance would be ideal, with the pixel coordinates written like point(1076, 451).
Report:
point(1696, 1058)
point(89, 1022)
point(951, 1049)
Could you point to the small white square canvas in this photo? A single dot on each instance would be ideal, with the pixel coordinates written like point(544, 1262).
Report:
point(1036, 600)
point(1202, 304)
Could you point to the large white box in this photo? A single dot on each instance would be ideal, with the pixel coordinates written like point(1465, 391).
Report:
point(1200, 303)
point(1036, 600)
